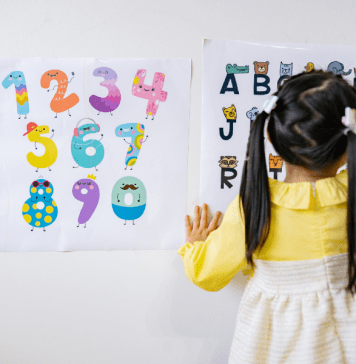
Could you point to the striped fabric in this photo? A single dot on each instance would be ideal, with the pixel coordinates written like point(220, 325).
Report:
point(297, 312)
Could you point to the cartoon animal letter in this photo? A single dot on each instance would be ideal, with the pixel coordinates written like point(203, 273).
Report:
point(40, 210)
point(285, 72)
point(87, 191)
point(136, 132)
point(34, 133)
point(59, 103)
point(88, 153)
point(337, 68)
point(309, 67)
point(252, 114)
point(128, 199)
point(261, 68)
point(112, 101)
point(275, 164)
point(154, 94)
point(261, 80)
point(236, 69)
point(227, 164)
point(231, 70)
point(230, 114)
point(18, 79)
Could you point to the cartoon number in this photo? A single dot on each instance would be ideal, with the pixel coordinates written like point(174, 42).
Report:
point(59, 103)
point(89, 153)
point(40, 210)
point(18, 79)
point(136, 132)
point(87, 191)
point(154, 94)
point(112, 101)
point(128, 199)
point(34, 132)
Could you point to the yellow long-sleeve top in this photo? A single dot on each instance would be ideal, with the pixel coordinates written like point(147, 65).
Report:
point(302, 227)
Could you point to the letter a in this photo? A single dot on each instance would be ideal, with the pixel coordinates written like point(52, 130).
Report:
point(230, 77)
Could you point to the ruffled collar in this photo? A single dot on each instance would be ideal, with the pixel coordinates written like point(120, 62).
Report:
point(329, 191)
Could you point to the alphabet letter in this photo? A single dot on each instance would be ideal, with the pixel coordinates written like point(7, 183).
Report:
point(230, 77)
point(264, 84)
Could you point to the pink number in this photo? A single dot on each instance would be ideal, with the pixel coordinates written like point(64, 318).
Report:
point(154, 93)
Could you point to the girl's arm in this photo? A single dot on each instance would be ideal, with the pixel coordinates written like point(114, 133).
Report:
point(211, 262)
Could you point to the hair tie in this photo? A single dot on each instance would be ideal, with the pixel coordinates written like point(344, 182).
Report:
point(349, 120)
point(270, 104)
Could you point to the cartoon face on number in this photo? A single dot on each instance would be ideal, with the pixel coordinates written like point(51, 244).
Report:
point(129, 198)
point(87, 129)
point(129, 130)
point(15, 77)
point(87, 191)
point(41, 189)
point(40, 210)
point(86, 184)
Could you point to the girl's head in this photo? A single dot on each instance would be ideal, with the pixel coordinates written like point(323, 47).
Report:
point(306, 130)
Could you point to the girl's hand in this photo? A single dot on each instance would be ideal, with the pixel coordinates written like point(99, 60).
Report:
point(200, 230)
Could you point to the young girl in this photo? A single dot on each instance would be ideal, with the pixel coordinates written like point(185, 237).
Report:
point(296, 238)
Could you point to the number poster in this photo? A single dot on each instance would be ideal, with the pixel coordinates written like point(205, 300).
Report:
point(94, 153)
point(238, 77)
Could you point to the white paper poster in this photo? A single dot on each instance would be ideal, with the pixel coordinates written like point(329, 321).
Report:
point(238, 77)
point(94, 153)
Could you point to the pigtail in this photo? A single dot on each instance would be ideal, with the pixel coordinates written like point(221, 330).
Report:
point(254, 189)
point(351, 216)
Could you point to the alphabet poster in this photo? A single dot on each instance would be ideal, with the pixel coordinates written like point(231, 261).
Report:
point(238, 77)
point(93, 153)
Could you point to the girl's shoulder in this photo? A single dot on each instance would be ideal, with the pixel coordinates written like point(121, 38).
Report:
point(329, 191)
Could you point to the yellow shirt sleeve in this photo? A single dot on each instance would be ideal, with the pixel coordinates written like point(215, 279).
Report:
point(211, 264)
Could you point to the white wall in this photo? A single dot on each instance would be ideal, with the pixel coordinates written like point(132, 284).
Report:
point(133, 307)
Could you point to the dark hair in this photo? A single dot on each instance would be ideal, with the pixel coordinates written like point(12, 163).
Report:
point(306, 130)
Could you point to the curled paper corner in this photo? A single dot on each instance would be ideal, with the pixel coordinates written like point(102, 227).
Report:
point(206, 42)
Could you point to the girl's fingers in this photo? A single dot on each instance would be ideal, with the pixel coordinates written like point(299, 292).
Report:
point(188, 227)
point(204, 216)
point(196, 218)
point(214, 222)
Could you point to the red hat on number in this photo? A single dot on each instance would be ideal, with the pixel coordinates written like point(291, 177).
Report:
point(30, 127)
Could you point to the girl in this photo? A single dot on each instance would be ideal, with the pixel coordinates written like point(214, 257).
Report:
point(299, 304)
